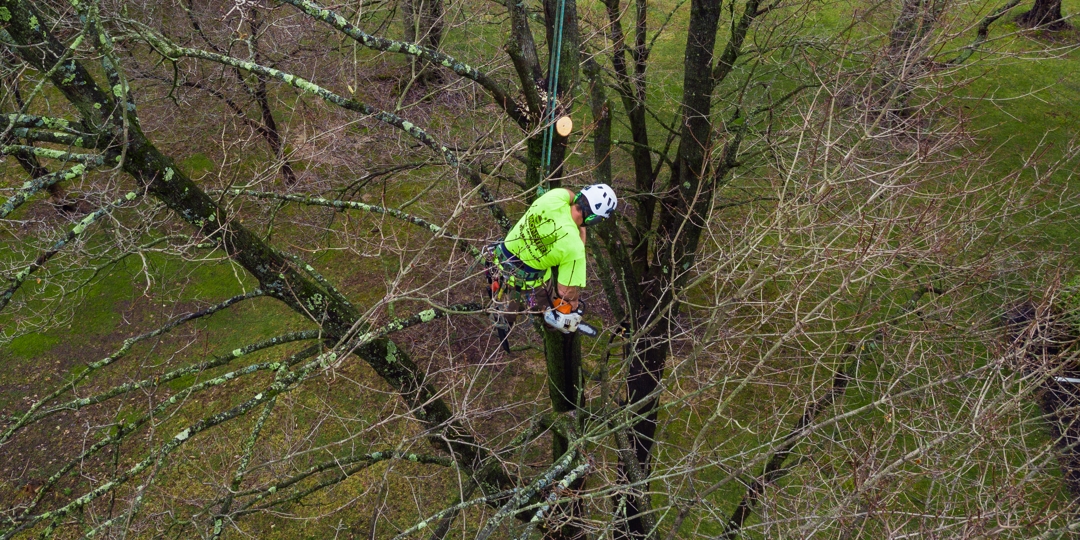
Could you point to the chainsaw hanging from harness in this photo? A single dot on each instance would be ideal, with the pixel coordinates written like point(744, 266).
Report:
point(507, 278)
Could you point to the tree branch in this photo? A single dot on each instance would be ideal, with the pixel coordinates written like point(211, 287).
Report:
point(86, 159)
point(774, 468)
point(982, 31)
point(319, 201)
point(35, 185)
point(501, 98)
point(75, 232)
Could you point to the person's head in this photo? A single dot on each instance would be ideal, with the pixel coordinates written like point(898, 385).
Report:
point(596, 203)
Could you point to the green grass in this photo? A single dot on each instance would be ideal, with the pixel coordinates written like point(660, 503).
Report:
point(1021, 107)
point(32, 345)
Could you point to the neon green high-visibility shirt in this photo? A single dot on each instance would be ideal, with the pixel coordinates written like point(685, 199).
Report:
point(546, 237)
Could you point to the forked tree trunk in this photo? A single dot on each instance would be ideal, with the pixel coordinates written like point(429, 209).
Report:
point(423, 26)
point(1045, 14)
point(679, 225)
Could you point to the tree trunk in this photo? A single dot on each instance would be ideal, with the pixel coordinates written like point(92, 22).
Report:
point(563, 353)
point(1045, 14)
point(917, 18)
point(262, 98)
point(1060, 402)
point(631, 88)
point(906, 55)
point(679, 226)
point(682, 217)
point(424, 27)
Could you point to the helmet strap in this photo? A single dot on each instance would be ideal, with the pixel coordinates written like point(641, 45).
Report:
point(588, 217)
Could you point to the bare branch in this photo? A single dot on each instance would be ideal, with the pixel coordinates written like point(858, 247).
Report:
point(501, 98)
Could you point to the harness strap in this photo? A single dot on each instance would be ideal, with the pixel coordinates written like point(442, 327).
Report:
point(509, 258)
point(519, 274)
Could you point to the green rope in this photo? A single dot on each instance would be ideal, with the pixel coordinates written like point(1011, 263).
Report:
point(553, 87)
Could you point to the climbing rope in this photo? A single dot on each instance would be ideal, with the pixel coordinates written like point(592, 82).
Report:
point(552, 89)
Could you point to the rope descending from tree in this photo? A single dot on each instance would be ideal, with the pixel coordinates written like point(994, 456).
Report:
point(552, 89)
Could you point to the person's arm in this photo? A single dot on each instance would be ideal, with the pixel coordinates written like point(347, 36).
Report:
point(571, 280)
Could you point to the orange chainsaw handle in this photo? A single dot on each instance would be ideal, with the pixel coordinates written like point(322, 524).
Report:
point(562, 306)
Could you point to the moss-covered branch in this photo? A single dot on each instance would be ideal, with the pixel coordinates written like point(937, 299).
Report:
point(242, 469)
point(336, 203)
point(56, 137)
point(14, 120)
point(157, 381)
point(36, 185)
point(123, 351)
point(424, 523)
point(522, 495)
point(501, 98)
point(563, 486)
point(67, 157)
point(401, 323)
point(18, 279)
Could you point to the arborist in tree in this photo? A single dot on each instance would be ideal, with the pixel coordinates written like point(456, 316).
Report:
point(548, 241)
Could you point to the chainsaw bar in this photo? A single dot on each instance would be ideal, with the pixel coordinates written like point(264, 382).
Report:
point(587, 329)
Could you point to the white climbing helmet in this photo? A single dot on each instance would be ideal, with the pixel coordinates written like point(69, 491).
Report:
point(601, 199)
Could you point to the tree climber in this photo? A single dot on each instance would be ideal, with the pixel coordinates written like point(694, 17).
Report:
point(549, 239)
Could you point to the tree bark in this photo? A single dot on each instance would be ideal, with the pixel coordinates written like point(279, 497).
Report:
point(631, 86)
point(424, 27)
point(1045, 14)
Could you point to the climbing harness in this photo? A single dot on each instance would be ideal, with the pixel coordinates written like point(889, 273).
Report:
point(552, 89)
point(516, 273)
point(507, 277)
point(512, 281)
